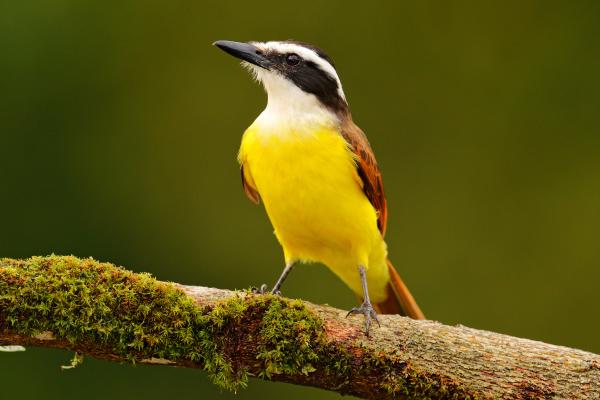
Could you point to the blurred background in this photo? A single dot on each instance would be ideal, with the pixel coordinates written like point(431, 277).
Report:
point(120, 123)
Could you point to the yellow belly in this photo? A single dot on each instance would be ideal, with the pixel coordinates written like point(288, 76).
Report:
point(313, 196)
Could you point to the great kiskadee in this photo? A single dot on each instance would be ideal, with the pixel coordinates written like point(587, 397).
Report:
point(317, 176)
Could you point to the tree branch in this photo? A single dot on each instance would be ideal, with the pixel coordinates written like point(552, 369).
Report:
point(106, 312)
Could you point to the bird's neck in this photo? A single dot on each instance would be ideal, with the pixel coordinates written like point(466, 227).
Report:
point(289, 109)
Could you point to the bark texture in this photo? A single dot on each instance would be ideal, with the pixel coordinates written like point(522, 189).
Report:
point(403, 358)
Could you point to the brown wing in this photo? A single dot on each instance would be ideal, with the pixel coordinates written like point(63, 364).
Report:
point(249, 189)
point(367, 169)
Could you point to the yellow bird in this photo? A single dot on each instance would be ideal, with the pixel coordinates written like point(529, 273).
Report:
point(317, 176)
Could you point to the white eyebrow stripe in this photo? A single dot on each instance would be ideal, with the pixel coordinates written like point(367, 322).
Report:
point(306, 54)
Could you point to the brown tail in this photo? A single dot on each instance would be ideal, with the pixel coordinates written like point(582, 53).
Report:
point(399, 300)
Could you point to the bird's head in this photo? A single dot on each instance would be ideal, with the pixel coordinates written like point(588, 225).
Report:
point(292, 72)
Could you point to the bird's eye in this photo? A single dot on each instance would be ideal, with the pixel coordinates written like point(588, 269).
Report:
point(292, 59)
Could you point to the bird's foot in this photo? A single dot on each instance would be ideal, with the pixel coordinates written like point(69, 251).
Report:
point(368, 311)
point(264, 289)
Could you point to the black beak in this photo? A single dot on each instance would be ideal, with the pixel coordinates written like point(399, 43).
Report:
point(244, 51)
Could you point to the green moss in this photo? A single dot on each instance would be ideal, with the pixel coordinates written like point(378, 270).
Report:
point(76, 361)
point(289, 337)
point(139, 317)
point(88, 302)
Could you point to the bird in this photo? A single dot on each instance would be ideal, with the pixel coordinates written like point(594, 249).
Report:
point(316, 174)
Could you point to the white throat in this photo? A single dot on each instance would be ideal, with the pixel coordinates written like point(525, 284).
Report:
point(289, 108)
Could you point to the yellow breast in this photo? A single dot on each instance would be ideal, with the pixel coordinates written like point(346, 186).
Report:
point(313, 196)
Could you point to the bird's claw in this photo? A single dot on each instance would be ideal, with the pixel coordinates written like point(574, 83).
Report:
point(368, 311)
point(260, 290)
point(264, 289)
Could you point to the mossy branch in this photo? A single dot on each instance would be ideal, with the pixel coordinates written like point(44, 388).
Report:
point(107, 312)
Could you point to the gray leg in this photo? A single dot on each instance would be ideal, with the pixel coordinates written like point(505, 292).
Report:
point(366, 308)
point(288, 268)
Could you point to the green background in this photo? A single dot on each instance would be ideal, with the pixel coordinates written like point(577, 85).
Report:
point(119, 126)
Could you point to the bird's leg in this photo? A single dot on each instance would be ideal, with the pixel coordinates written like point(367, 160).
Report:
point(366, 308)
point(263, 289)
point(284, 274)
